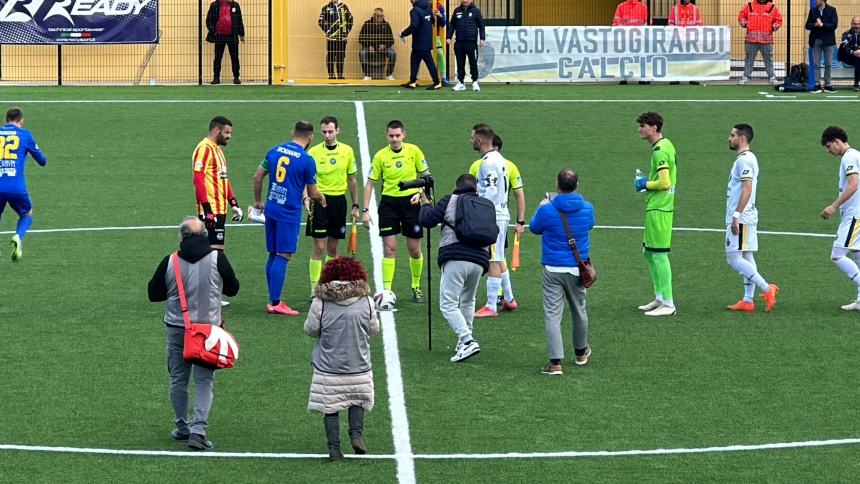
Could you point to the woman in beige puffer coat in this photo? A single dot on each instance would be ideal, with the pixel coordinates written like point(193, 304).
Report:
point(343, 318)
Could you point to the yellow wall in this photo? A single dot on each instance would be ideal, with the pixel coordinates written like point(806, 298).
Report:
point(299, 47)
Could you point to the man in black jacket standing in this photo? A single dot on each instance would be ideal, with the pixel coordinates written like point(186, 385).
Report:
point(336, 22)
point(462, 266)
point(421, 29)
point(468, 24)
point(821, 24)
point(225, 29)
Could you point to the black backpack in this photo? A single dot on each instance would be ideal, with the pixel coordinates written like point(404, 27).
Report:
point(798, 77)
point(475, 221)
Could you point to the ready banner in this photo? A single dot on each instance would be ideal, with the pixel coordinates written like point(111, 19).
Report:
point(605, 54)
point(78, 21)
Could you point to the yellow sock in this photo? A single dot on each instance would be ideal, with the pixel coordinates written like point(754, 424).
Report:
point(314, 268)
point(388, 272)
point(328, 258)
point(416, 266)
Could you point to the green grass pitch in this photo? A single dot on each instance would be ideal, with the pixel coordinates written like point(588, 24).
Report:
point(83, 360)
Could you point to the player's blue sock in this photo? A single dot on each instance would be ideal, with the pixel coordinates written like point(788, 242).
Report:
point(278, 273)
point(269, 268)
point(24, 224)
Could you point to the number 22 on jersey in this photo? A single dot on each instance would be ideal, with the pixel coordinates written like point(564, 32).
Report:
point(8, 144)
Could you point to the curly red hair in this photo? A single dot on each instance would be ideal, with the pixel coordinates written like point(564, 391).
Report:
point(343, 269)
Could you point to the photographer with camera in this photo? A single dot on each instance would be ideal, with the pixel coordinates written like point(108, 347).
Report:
point(396, 166)
point(463, 261)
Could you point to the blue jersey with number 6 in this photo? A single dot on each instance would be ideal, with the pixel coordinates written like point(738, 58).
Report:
point(290, 168)
point(15, 144)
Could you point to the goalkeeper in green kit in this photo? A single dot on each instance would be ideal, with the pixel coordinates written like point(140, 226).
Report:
point(659, 189)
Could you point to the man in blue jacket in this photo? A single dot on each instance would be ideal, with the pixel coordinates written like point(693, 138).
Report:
point(561, 272)
point(468, 25)
point(421, 29)
point(462, 266)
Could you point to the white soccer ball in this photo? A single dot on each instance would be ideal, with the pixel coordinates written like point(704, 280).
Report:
point(385, 300)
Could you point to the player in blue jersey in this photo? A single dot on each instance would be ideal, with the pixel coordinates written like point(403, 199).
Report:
point(15, 144)
point(293, 177)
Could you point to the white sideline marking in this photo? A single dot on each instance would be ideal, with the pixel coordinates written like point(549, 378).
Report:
point(397, 457)
point(400, 100)
point(610, 227)
point(396, 397)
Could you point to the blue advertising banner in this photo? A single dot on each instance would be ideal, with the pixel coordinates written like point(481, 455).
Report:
point(78, 21)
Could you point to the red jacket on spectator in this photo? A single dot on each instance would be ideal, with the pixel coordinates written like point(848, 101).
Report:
point(630, 13)
point(685, 16)
point(761, 21)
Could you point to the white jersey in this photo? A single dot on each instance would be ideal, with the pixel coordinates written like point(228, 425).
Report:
point(493, 182)
point(745, 169)
point(850, 166)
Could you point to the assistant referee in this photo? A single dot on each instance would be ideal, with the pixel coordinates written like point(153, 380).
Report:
point(393, 164)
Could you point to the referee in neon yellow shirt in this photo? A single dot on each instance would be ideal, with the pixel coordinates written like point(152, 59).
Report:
point(336, 171)
point(659, 188)
point(398, 162)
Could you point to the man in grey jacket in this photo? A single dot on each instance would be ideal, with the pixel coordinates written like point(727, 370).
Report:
point(462, 266)
point(206, 273)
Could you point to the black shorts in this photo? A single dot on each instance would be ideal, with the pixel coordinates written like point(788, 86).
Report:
point(217, 236)
point(329, 221)
point(397, 215)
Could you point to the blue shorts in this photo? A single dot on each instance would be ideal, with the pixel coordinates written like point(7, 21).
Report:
point(20, 202)
point(282, 237)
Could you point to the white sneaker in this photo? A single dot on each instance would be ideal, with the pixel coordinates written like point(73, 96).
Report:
point(855, 306)
point(466, 351)
point(744, 81)
point(476, 86)
point(390, 78)
point(774, 81)
point(460, 87)
point(661, 311)
point(225, 303)
point(650, 306)
point(367, 78)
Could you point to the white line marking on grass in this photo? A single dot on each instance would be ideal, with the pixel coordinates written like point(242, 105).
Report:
point(396, 396)
point(623, 453)
point(722, 231)
point(397, 457)
point(771, 99)
point(609, 227)
point(179, 453)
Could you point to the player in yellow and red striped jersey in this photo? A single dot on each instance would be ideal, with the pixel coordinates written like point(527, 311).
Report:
point(211, 185)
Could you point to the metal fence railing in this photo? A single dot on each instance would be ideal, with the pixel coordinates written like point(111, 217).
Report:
point(283, 41)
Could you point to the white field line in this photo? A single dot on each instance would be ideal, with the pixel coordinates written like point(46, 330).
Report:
point(396, 395)
point(608, 227)
point(510, 455)
point(401, 100)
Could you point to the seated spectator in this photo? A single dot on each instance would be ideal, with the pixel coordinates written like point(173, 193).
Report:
point(849, 49)
point(377, 46)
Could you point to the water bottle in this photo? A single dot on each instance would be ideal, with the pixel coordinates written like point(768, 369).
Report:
point(637, 176)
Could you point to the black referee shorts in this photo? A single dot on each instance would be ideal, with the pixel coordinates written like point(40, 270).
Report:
point(397, 215)
point(329, 221)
